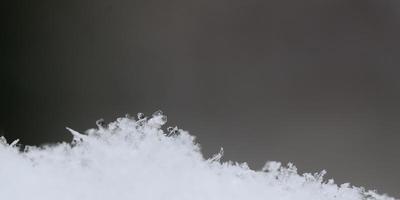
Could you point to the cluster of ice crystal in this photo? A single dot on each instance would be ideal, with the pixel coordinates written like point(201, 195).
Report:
point(136, 159)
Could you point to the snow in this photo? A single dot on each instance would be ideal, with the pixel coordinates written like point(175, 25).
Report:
point(136, 159)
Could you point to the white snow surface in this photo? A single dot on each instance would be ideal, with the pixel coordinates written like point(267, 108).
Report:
point(136, 159)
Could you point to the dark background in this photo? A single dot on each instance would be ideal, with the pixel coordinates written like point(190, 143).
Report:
point(313, 82)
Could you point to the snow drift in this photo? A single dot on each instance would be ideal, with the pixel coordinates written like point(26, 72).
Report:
point(136, 159)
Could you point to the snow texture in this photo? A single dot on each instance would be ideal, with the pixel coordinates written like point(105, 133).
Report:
point(136, 159)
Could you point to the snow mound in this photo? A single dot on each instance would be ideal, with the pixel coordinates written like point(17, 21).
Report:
point(136, 159)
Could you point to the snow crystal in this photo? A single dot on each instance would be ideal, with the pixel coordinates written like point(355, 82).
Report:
point(137, 159)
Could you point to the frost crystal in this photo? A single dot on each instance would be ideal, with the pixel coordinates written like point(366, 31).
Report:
point(136, 159)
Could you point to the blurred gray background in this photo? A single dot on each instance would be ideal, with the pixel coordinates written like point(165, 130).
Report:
point(312, 82)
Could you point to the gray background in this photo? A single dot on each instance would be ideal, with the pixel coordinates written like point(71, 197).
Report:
point(312, 82)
